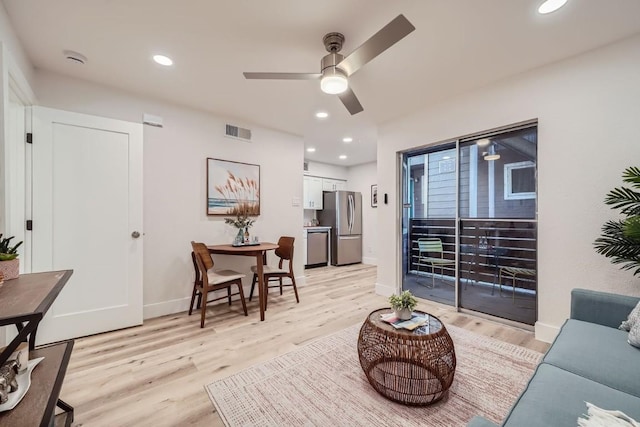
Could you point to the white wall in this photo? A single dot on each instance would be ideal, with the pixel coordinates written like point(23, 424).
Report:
point(361, 178)
point(15, 77)
point(13, 46)
point(588, 112)
point(175, 183)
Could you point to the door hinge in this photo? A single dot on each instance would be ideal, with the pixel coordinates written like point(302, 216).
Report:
point(29, 138)
point(29, 225)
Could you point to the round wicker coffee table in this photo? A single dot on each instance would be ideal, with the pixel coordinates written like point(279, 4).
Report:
point(408, 367)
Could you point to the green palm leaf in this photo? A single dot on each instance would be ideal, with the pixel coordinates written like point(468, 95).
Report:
point(620, 240)
point(631, 228)
point(625, 199)
point(632, 176)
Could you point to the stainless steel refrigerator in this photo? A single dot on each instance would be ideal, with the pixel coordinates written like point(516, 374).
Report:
point(342, 211)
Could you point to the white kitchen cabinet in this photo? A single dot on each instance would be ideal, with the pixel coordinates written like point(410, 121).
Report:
point(312, 191)
point(329, 184)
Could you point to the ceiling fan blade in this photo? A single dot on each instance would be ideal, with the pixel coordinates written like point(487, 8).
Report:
point(389, 35)
point(350, 100)
point(283, 76)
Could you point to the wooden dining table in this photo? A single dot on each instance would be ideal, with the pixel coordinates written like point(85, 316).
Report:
point(258, 251)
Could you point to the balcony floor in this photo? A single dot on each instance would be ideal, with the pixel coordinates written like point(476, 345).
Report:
point(481, 296)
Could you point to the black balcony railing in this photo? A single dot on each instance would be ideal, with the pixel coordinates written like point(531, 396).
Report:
point(486, 246)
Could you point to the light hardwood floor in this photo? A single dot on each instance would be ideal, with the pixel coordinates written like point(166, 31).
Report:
point(154, 375)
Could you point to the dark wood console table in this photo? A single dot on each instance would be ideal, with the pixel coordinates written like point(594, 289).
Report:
point(23, 303)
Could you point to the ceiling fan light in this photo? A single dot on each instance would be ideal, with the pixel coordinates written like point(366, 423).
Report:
point(333, 81)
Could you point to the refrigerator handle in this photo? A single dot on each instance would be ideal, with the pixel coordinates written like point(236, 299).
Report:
point(349, 212)
point(351, 209)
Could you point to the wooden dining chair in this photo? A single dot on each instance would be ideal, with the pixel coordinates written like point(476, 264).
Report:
point(210, 280)
point(197, 284)
point(285, 253)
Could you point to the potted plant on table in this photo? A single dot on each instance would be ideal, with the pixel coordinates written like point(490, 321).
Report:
point(403, 304)
point(9, 262)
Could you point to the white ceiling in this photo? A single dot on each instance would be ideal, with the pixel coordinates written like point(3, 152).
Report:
point(458, 45)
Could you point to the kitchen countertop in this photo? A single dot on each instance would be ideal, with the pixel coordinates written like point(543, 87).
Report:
point(317, 227)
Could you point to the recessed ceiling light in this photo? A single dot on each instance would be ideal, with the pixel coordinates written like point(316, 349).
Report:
point(347, 139)
point(343, 156)
point(551, 6)
point(163, 60)
point(311, 150)
point(322, 114)
point(483, 142)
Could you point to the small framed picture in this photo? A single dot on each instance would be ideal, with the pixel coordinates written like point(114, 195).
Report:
point(374, 196)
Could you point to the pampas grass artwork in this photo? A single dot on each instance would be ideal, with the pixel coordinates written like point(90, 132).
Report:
point(233, 188)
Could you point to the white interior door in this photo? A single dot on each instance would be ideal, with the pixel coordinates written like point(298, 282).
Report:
point(87, 208)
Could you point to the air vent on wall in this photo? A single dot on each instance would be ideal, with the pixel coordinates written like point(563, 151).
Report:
point(238, 133)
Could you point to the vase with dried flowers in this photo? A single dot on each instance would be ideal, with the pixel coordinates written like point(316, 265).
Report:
point(242, 222)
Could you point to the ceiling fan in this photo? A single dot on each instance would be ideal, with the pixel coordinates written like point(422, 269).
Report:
point(336, 68)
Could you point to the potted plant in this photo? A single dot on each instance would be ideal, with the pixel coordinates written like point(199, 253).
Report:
point(9, 262)
point(620, 239)
point(403, 304)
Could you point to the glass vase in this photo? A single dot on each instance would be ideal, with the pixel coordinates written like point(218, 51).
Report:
point(239, 237)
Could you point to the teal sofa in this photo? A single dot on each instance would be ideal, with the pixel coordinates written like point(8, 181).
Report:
point(590, 360)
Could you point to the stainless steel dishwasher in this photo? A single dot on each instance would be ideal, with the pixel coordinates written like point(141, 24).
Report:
point(317, 248)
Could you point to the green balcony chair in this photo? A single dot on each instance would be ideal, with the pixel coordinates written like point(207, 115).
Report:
point(430, 252)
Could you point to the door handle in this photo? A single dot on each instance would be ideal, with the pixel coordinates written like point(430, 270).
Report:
point(135, 234)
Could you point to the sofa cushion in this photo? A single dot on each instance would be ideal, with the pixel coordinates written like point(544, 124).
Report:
point(634, 335)
point(634, 317)
point(555, 397)
point(599, 353)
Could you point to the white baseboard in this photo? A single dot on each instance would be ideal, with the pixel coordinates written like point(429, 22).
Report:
point(369, 261)
point(164, 308)
point(149, 311)
point(385, 290)
point(545, 332)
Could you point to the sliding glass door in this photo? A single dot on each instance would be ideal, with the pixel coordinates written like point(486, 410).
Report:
point(430, 223)
point(469, 223)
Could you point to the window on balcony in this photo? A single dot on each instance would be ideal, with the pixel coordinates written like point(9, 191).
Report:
point(520, 181)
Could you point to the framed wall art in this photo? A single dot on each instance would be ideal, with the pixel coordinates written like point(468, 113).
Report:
point(233, 188)
point(374, 196)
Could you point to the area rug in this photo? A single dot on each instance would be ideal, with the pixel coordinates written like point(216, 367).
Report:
point(322, 384)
